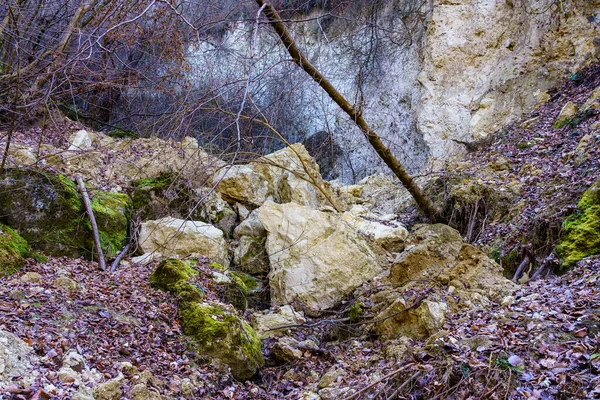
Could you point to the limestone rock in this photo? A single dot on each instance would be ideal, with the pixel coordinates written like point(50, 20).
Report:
point(110, 390)
point(241, 183)
point(389, 236)
point(264, 321)
point(568, 111)
point(330, 377)
point(251, 227)
point(417, 323)
point(66, 283)
point(316, 258)
point(428, 248)
point(16, 359)
point(80, 140)
point(31, 277)
point(250, 255)
point(174, 237)
point(593, 101)
point(286, 350)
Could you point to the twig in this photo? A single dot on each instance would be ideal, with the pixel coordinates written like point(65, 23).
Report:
point(90, 212)
point(379, 381)
point(115, 263)
point(522, 266)
point(396, 392)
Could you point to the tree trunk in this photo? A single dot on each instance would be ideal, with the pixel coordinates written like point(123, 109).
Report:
point(423, 201)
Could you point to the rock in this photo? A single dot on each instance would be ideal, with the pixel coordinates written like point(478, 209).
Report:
point(264, 321)
point(16, 361)
point(80, 140)
point(172, 237)
point(54, 213)
point(68, 284)
point(581, 231)
point(110, 390)
point(286, 350)
point(221, 335)
point(31, 277)
point(593, 101)
point(251, 227)
point(177, 277)
point(428, 247)
point(417, 323)
point(250, 255)
point(315, 257)
point(568, 111)
point(387, 236)
point(331, 376)
point(13, 251)
point(142, 392)
point(20, 155)
point(335, 393)
point(507, 301)
point(397, 349)
point(242, 184)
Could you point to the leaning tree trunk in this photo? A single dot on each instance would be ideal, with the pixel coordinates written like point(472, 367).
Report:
point(423, 201)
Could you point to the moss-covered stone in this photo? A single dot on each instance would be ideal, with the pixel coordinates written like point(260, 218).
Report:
point(13, 251)
point(223, 336)
point(581, 232)
point(175, 276)
point(46, 209)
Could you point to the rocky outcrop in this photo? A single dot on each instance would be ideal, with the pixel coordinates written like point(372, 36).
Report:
point(316, 258)
point(172, 237)
point(47, 211)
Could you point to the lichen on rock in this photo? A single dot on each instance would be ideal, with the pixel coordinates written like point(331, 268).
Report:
point(581, 231)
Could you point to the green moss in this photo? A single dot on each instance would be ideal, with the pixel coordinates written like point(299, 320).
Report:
point(217, 266)
point(525, 145)
point(112, 211)
point(581, 232)
point(42, 259)
point(356, 311)
point(13, 251)
point(174, 276)
point(222, 335)
point(123, 134)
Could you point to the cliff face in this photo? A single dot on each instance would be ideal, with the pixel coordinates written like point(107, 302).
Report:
point(489, 62)
point(451, 69)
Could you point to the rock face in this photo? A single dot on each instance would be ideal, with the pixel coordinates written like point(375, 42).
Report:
point(172, 237)
point(316, 258)
point(47, 211)
point(15, 361)
point(388, 236)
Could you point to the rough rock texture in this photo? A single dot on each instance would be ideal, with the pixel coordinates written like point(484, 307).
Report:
point(47, 211)
point(250, 255)
point(478, 76)
point(16, 359)
point(13, 250)
point(172, 237)
point(316, 258)
point(264, 321)
point(581, 231)
point(389, 236)
point(420, 322)
point(241, 183)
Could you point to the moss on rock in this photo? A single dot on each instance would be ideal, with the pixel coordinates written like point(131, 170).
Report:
point(224, 336)
point(13, 251)
point(581, 232)
point(47, 211)
point(174, 276)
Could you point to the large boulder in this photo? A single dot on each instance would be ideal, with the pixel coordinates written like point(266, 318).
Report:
point(172, 237)
point(16, 359)
point(287, 175)
point(217, 333)
point(316, 258)
point(46, 210)
point(387, 235)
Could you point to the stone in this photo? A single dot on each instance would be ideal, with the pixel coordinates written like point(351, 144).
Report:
point(286, 350)
point(16, 361)
point(251, 256)
point(593, 101)
point(242, 184)
point(68, 284)
point(428, 247)
point(251, 227)
point(568, 111)
point(143, 392)
point(31, 277)
point(80, 140)
point(336, 393)
point(263, 322)
point(172, 237)
point(54, 213)
point(418, 323)
point(388, 236)
point(330, 377)
point(110, 390)
point(316, 258)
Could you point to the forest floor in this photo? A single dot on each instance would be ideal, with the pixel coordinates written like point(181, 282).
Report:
point(543, 342)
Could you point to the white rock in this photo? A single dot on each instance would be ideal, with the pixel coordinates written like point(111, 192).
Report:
point(172, 237)
point(316, 258)
point(389, 237)
point(80, 140)
point(264, 321)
